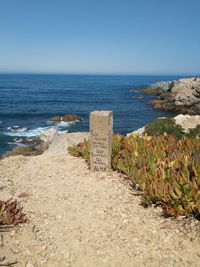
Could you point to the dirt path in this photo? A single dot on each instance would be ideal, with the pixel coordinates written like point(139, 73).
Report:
point(78, 218)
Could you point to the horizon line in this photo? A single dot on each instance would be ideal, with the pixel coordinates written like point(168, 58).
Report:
point(98, 73)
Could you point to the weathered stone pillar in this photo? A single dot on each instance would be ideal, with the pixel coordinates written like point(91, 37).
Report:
point(101, 129)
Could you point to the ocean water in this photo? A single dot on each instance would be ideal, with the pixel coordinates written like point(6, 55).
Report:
point(31, 100)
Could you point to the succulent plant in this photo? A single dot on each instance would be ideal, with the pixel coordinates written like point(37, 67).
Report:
point(166, 169)
point(10, 213)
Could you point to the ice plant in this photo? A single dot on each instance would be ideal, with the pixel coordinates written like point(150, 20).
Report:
point(166, 169)
point(11, 213)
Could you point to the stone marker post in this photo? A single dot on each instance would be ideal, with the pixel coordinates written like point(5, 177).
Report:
point(101, 129)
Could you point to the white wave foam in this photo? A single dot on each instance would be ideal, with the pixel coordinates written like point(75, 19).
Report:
point(62, 124)
point(24, 132)
point(20, 130)
point(28, 133)
point(65, 124)
point(34, 132)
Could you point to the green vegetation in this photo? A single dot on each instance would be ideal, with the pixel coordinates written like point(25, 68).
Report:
point(194, 132)
point(166, 169)
point(168, 126)
point(164, 126)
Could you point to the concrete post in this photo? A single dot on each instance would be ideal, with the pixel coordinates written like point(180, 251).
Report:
point(101, 130)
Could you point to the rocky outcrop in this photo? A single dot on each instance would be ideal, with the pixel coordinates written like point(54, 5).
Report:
point(139, 132)
point(47, 138)
point(36, 146)
point(181, 96)
point(187, 122)
point(157, 88)
point(66, 118)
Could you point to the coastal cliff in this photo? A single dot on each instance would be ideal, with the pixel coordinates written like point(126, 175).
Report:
point(180, 96)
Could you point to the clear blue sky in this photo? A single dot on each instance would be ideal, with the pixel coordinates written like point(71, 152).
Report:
point(100, 36)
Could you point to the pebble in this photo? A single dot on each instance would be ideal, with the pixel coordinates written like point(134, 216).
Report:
point(44, 247)
point(17, 242)
point(12, 233)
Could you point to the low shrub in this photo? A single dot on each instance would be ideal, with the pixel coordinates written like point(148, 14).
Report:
point(195, 132)
point(166, 169)
point(164, 126)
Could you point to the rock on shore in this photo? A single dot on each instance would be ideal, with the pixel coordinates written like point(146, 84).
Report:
point(37, 145)
point(180, 96)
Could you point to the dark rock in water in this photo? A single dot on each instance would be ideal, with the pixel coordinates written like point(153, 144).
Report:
point(157, 88)
point(181, 96)
point(16, 128)
point(31, 142)
point(71, 117)
point(66, 118)
point(138, 97)
point(56, 118)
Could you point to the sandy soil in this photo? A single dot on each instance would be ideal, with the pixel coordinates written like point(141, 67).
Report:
point(78, 218)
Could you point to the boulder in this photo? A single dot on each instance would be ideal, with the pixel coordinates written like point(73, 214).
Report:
point(139, 132)
point(56, 118)
point(157, 88)
point(71, 117)
point(187, 122)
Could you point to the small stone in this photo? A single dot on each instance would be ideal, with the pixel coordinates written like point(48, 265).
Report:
point(44, 248)
point(12, 233)
point(17, 242)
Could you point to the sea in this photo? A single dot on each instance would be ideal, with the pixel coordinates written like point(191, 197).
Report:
point(30, 100)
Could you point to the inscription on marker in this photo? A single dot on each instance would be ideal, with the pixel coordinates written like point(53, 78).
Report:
point(101, 129)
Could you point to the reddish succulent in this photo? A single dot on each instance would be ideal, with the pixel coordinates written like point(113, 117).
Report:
point(10, 213)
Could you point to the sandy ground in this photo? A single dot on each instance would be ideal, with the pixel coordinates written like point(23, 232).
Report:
point(78, 218)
